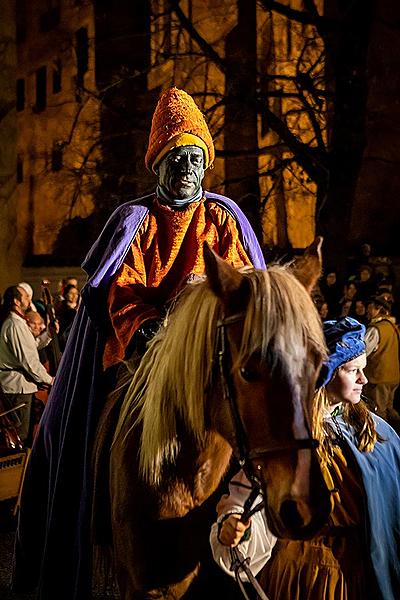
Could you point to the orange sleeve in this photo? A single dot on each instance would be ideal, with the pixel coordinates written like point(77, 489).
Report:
point(130, 302)
point(231, 247)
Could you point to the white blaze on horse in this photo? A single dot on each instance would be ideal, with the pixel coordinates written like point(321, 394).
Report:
point(232, 371)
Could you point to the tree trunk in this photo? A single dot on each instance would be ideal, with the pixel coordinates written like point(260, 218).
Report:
point(347, 50)
point(241, 172)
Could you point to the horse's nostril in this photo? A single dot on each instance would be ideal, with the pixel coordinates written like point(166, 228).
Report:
point(291, 516)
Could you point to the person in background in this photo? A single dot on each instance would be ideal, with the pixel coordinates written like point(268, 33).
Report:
point(360, 312)
point(60, 295)
point(386, 290)
point(362, 256)
point(365, 284)
point(331, 291)
point(35, 323)
point(347, 302)
point(38, 328)
point(21, 372)
point(42, 338)
point(321, 304)
point(356, 554)
point(385, 286)
point(35, 305)
point(383, 268)
point(383, 369)
point(66, 311)
point(323, 310)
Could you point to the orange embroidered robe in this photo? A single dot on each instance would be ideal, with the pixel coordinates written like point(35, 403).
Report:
point(166, 253)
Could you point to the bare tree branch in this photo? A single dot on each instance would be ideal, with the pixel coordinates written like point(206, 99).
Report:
point(194, 34)
point(306, 18)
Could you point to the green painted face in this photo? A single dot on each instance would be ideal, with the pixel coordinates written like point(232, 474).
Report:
point(181, 172)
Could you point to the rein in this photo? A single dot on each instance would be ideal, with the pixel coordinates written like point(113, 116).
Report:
point(243, 564)
point(243, 454)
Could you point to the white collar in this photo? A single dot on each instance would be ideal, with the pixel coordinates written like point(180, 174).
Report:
point(15, 315)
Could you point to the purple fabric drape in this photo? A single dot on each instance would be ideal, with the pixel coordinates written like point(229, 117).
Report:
point(57, 492)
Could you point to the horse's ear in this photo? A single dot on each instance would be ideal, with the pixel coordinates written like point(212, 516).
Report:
point(308, 268)
point(226, 282)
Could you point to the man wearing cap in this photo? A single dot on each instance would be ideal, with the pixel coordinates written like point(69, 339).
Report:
point(148, 250)
point(168, 248)
point(383, 369)
point(21, 371)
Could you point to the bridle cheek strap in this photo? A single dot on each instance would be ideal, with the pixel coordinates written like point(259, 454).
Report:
point(223, 354)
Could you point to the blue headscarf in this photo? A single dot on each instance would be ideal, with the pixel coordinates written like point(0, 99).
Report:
point(345, 341)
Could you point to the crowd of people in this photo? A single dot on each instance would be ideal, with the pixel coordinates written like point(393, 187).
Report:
point(33, 333)
point(367, 293)
point(149, 249)
point(349, 293)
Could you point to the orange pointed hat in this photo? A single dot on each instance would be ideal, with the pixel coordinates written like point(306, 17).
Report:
point(177, 121)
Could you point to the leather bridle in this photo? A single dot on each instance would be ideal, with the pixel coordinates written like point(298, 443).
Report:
point(241, 450)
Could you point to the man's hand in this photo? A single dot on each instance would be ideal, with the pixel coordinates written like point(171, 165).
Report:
point(144, 334)
point(46, 387)
point(232, 530)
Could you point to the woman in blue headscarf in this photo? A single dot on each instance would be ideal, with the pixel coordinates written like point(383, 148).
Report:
point(356, 555)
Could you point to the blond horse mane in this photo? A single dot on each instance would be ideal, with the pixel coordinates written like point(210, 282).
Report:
point(176, 371)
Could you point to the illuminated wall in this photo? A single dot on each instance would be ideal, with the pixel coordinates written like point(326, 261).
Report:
point(57, 121)
point(288, 49)
point(10, 252)
point(60, 118)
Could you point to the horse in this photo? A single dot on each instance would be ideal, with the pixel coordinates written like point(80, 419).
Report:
point(231, 373)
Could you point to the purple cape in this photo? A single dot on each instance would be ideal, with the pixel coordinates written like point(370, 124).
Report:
point(56, 501)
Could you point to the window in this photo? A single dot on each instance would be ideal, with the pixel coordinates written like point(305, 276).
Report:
point(41, 91)
point(20, 169)
point(57, 158)
point(20, 94)
point(82, 54)
point(57, 77)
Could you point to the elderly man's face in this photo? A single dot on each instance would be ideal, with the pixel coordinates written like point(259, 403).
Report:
point(181, 172)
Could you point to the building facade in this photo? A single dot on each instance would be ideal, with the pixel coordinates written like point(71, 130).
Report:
point(88, 75)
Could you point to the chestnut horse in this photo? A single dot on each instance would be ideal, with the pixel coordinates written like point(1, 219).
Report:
point(232, 371)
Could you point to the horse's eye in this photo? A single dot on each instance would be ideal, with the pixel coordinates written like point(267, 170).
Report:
point(248, 374)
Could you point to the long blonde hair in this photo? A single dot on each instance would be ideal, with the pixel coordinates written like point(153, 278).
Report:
point(356, 415)
point(175, 373)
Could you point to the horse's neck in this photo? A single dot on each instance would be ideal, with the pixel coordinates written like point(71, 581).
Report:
point(196, 475)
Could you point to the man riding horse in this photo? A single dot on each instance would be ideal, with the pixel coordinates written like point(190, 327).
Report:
point(148, 250)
